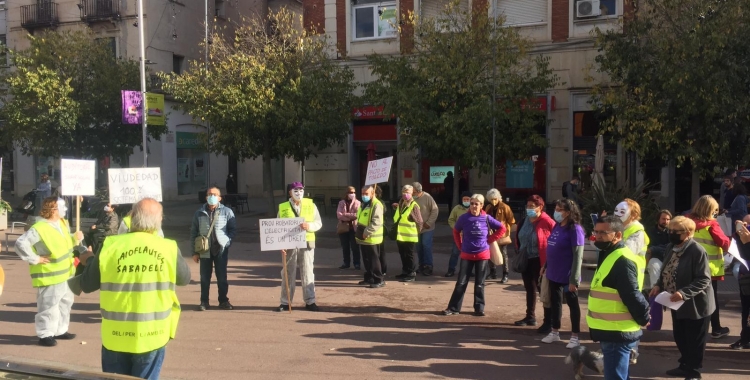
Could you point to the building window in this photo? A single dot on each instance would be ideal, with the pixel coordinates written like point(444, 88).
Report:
point(111, 44)
point(592, 9)
point(220, 9)
point(374, 20)
point(177, 63)
point(522, 12)
point(2, 4)
point(434, 9)
point(192, 160)
point(586, 129)
point(3, 51)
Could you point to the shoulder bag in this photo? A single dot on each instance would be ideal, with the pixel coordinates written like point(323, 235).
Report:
point(202, 244)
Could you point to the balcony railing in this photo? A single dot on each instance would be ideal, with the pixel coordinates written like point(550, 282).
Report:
point(99, 10)
point(40, 15)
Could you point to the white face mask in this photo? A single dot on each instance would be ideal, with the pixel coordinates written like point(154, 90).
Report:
point(61, 208)
point(107, 209)
point(297, 194)
point(622, 211)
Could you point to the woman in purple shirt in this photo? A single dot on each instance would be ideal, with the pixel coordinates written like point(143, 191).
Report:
point(563, 268)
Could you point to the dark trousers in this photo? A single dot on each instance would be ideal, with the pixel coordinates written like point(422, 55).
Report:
point(371, 259)
point(690, 336)
point(406, 251)
point(745, 334)
point(531, 283)
point(493, 267)
point(381, 258)
point(219, 264)
point(146, 365)
point(557, 294)
point(349, 245)
point(465, 268)
point(715, 320)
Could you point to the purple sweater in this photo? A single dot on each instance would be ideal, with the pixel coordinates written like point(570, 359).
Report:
point(474, 230)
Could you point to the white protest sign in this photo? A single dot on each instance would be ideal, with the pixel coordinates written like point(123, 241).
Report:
point(735, 252)
point(133, 184)
point(281, 233)
point(78, 177)
point(378, 171)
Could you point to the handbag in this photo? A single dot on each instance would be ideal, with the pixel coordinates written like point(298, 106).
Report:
point(519, 263)
point(202, 244)
point(544, 294)
point(503, 241)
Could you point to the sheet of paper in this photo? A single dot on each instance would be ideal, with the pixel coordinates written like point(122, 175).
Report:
point(663, 298)
point(735, 252)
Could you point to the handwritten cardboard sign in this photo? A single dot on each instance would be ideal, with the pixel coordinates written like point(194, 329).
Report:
point(133, 184)
point(378, 171)
point(78, 177)
point(281, 233)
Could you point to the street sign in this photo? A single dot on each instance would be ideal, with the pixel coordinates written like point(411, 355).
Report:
point(378, 171)
point(281, 233)
point(133, 184)
point(78, 177)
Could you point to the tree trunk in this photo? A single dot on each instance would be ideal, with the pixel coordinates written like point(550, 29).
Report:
point(268, 176)
point(456, 180)
point(303, 171)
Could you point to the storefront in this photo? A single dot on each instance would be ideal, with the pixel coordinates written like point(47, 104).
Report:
point(373, 137)
point(192, 163)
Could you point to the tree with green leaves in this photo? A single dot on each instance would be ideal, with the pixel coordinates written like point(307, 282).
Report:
point(269, 91)
point(62, 98)
point(466, 71)
point(679, 78)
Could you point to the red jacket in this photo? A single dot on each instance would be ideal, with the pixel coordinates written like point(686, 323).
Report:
point(716, 233)
point(543, 228)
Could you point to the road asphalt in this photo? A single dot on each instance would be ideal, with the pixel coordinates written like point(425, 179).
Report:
point(393, 332)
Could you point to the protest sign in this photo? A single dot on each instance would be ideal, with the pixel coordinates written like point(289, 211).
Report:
point(78, 177)
point(133, 184)
point(378, 171)
point(281, 233)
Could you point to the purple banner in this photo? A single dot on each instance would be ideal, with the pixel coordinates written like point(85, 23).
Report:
point(132, 107)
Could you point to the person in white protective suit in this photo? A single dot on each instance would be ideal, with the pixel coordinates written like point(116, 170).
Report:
point(48, 247)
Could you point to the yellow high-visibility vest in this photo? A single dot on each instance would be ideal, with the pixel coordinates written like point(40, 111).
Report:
point(139, 306)
point(406, 231)
point(714, 252)
point(60, 246)
point(634, 227)
point(606, 310)
point(364, 217)
point(306, 211)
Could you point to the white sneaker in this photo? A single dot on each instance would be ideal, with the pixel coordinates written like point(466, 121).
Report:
point(574, 342)
point(552, 337)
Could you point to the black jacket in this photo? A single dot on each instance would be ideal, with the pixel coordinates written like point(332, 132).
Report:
point(624, 278)
point(659, 240)
point(693, 280)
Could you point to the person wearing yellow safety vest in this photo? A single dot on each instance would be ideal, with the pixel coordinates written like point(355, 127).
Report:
point(634, 236)
point(686, 275)
point(617, 308)
point(709, 235)
point(300, 207)
point(48, 247)
point(125, 226)
point(369, 235)
point(136, 274)
point(408, 222)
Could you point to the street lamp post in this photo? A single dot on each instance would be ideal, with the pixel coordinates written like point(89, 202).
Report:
point(208, 123)
point(142, 45)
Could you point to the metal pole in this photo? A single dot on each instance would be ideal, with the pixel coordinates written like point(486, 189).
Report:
point(142, 43)
point(494, 93)
point(208, 123)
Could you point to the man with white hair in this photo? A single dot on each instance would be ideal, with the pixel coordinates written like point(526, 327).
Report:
point(136, 274)
point(429, 209)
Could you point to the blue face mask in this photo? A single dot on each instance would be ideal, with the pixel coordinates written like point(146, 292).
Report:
point(466, 204)
point(558, 217)
point(531, 212)
point(213, 200)
point(366, 198)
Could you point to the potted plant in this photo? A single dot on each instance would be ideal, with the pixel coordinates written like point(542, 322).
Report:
point(5, 210)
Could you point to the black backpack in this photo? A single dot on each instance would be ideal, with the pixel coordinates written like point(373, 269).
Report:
point(565, 189)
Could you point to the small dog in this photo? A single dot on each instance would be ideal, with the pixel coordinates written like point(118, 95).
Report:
point(581, 356)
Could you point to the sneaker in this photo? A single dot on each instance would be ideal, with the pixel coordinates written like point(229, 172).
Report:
point(545, 328)
point(410, 278)
point(450, 273)
point(526, 322)
point(312, 307)
point(66, 336)
point(48, 342)
point(681, 372)
point(427, 271)
point(574, 342)
point(402, 275)
point(376, 285)
point(364, 282)
point(740, 345)
point(450, 312)
point(203, 306)
point(226, 306)
point(505, 279)
point(479, 313)
point(344, 266)
point(551, 337)
point(357, 267)
point(281, 308)
point(722, 332)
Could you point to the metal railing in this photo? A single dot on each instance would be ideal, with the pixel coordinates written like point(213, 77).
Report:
point(42, 14)
point(96, 10)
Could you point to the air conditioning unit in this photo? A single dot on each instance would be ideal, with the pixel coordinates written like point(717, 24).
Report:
point(588, 8)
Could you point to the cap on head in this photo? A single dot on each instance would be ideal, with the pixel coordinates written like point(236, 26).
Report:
point(296, 185)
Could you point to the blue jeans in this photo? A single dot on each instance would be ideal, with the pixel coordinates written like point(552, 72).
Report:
point(455, 255)
point(424, 248)
point(216, 263)
point(617, 359)
point(146, 365)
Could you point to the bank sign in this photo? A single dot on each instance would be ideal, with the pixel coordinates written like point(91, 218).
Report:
point(438, 173)
point(187, 140)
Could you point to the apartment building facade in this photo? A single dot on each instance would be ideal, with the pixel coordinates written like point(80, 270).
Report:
point(561, 30)
point(174, 31)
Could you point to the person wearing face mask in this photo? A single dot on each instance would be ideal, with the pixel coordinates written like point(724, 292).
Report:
point(502, 212)
point(408, 223)
point(687, 276)
point(48, 247)
point(300, 207)
point(617, 308)
point(457, 211)
point(531, 243)
point(346, 213)
point(218, 223)
point(634, 236)
point(369, 236)
point(563, 268)
point(711, 238)
point(107, 225)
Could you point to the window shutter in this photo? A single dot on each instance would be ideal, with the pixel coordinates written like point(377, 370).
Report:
point(519, 12)
point(434, 8)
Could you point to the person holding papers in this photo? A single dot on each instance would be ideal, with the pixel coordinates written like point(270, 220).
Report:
point(743, 276)
point(686, 275)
